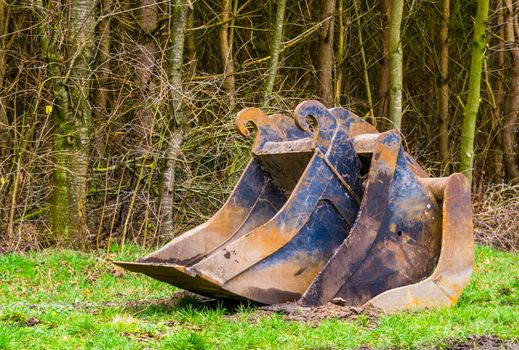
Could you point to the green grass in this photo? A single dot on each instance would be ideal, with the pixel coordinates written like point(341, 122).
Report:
point(71, 300)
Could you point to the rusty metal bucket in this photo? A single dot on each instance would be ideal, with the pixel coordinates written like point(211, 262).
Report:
point(337, 211)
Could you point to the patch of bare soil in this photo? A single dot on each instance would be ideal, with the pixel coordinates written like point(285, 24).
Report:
point(314, 315)
point(483, 342)
point(168, 302)
point(21, 321)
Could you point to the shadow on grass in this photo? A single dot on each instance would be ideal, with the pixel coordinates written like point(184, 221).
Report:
point(186, 302)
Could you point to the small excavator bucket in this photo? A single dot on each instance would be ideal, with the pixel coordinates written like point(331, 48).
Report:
point(336, 210)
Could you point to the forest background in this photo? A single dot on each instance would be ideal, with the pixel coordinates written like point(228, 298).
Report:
point(117, 116)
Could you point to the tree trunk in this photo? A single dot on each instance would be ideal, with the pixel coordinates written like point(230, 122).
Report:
point(383, 76)
point(472, 105)
point(147, 58)
point(365, 67)
point(5, 137)
point(340, 53)
point(325, 56)
point(178, 124)
point(395, 64)
point(496, 150)
point(103, 68)
point(275, 46)
point(190, 45)
point(226, 53)
point(430, 60)
point(512, 107)
point(71, 115)
point(444, 83)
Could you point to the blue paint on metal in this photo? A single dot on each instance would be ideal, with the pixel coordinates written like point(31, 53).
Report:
point(343, 158)
point(314, 243)
point(250, 186)
point(267, 204)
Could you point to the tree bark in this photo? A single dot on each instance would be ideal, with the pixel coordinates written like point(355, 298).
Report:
point(275, 46)
point(383, 76)
point(444, 83)
point(472, 105)
point(431, 65)
point(190, 45)
point(5, 137)
point(510, 121)
point(325, 57)
point(176, 129)
point(496, 150)
point(395, 64)
point(100, 97)
point(147, 58)
point(71, 89)
point(340, 53)
point(367, 85)
point(226, 53)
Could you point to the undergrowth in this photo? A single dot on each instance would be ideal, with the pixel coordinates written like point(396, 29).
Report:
point(496, 217)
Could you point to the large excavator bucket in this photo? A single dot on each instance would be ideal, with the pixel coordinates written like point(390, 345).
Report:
point(336, 210)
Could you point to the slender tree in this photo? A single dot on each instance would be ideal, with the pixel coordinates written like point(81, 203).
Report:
point(4, 133)
point(339, 76)
point(178, 124)
point(226, 54)
point(6, 141)
point(190, 44)
point(100, 97)
point(472, 105)
point(497, 153)
point(325, 56)
point(103, 56)
point(430, 60)
point(147, 20)
point(383, 76)
point(395, 64)
point(444, 82)
point(275, 47)
point(510, 121)
point(365, 67)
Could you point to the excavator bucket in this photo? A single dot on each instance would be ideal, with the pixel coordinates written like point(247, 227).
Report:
point(327, 209)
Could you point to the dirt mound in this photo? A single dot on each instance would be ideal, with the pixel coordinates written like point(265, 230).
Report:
point(314, 315)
